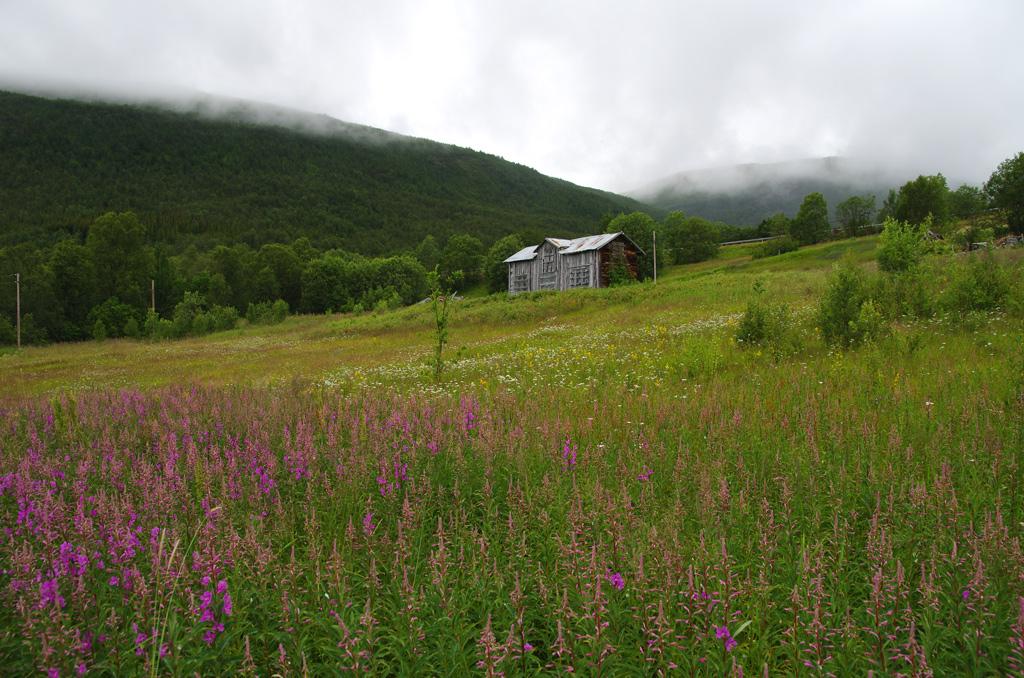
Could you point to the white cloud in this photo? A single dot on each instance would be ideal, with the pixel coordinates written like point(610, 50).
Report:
point(594, 92)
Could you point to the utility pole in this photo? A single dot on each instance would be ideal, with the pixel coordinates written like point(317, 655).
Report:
point(654, 240)
point(17, 304)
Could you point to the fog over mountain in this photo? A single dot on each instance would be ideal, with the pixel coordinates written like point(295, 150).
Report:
point(596, 92)
point(746, 194)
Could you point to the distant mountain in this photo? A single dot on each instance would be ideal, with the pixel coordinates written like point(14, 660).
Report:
point(216, 170)
point(743, 195)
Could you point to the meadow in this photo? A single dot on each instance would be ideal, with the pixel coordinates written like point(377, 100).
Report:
point(603, 483)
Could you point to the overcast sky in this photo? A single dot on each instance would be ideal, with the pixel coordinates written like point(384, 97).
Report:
point(606, 94)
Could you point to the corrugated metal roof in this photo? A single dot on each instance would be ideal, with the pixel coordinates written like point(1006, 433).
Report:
point(524, 254)
point(584, 244)
point(588, 242)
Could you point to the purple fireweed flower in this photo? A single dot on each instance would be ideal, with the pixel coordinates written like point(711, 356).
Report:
point(206, 581)
point(140, 638)
point(114, 581)
point(616, 580)
point(646, 475)
point(50, 594)
point(81, 669)
point(228, 609)
point(568, 454)
point(527, 647)
point(368, 526)
point(965, 594)
point(722, 633)
point(222, 587)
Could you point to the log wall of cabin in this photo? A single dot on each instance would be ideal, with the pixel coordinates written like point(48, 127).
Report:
point(521, 268)
point(569, 262)
point(547, 258)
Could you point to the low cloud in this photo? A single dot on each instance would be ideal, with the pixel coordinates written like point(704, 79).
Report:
point(587, 91)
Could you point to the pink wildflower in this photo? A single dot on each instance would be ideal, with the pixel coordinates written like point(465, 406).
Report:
point(568, 454)
point(722, 633)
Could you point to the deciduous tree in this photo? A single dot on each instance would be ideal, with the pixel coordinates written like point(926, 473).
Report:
point(854, 213)
point(1005, 188)
point(811, 222)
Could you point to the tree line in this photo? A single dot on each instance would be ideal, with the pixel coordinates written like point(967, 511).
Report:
point(118, 280)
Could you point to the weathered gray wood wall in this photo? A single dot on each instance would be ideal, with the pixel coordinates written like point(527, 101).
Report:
point(570, 262)
point(548, 265)
point(517, 268)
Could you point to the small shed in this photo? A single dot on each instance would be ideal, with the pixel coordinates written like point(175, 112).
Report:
point(559, 264)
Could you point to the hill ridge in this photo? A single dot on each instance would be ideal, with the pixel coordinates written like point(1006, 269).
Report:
point(214, 171)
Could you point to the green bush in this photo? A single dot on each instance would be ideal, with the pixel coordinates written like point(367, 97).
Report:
point(768, 325)
point(980, 285)
point(202, 323)
point(131, 328)
point(156, 327)
point(771, 248)
point(222, 318)
point(185, 312)
point(99, 331)
point(870, 325)
point(902, 245)
point(267, 313)
point(842, 317)
point(910, 294)
point(114, 316)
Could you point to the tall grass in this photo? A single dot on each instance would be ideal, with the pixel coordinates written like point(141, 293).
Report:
point(631, 499)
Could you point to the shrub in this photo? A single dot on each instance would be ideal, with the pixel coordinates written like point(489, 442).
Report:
point(771, 248)
point(267, 313)
point(980, 285)
point(99, 331)
point(767, 325)
point(842, 318)
point(279, 311)
point(901, 245)
point(222, 318)
point(910, 294)
point(113, 314)
point(131, 328)
point(869, 325)
point(202, 323)
point(185, 312)
point(156, 327)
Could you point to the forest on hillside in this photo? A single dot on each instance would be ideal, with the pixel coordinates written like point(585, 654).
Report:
point(199, 181)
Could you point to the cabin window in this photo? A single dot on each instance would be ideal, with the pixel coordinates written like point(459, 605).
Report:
point(548, 263)
point(520, 283)
point(579, 276)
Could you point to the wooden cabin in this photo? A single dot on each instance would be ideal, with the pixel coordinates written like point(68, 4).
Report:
point(558, 264)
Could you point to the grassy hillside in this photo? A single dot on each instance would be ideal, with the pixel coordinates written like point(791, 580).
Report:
point(310, 347)
point(196, 178)
point(604, 483)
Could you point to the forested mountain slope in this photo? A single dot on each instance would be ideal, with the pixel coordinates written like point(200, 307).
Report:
point(197, 178)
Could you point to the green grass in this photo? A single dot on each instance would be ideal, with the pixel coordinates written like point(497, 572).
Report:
point(307, 347)
point(604, 476)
